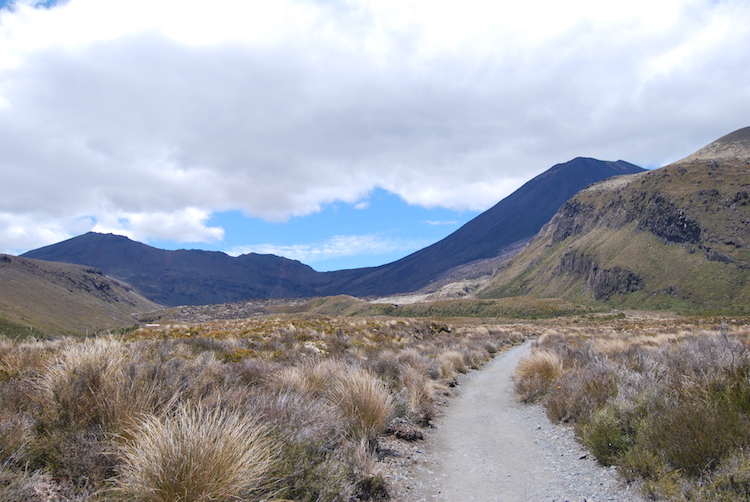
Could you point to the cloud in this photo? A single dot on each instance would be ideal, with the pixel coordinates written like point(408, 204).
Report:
point(340, 246)
point(188, 225)
point(134, 110)
point(19, 233)
point(438, 223)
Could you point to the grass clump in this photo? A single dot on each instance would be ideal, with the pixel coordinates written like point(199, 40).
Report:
point(364, 401)
point(196, 454)
point(536, 373)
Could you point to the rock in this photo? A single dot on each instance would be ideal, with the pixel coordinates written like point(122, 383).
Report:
point(408, 433)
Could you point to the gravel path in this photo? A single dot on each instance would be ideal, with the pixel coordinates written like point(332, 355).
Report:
point(490, 447)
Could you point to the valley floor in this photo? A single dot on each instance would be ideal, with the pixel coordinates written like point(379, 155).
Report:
point(489, 447)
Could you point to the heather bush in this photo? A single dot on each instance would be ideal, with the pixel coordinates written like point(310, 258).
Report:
point(578, 392)
point(610, 432)
point(729, 483)
point(309, 432)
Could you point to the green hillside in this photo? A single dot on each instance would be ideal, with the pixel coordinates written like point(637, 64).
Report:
point(676, 237)
point(44, 298)
point(348, 306)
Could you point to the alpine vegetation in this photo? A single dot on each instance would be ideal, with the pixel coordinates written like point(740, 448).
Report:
point(254, 409)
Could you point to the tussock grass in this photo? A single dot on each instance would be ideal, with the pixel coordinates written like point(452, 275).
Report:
point(536, 373)
point(451, 363)
point(115, 417)
point(196, 455)
point(311, 377)
point(416, 395)
point(364, 400)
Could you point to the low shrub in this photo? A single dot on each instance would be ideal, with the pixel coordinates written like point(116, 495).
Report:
point(579, 392)
point(607, 434)
point(671, 411)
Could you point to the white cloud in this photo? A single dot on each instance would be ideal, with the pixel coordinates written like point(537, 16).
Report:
point(122, 113)
point(340, 246)
point(19, 233)
point(188, 225)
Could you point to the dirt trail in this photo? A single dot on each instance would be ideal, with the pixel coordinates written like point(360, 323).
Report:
point(489, 447)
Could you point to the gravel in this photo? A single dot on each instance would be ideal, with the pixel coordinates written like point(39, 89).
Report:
point(487, 446)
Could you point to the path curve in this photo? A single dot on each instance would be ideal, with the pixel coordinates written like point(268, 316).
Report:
point(488, 447)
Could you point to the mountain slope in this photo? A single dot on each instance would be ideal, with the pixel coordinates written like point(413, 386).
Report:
point(514, 219)
point(184, 277)
point(675, 237)
point(58, 298)
point(191, 277)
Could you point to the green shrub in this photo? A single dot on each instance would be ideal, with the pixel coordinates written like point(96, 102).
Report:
point(605, 435)
point(693, 432)
point(673, 412)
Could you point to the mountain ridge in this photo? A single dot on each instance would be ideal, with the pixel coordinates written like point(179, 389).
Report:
point(675, 237)
point(513, 220)
point(194, 277)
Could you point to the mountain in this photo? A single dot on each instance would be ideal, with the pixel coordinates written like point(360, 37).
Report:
point(500, 229)
point(185, 277)
point(40, 297)
point(676, 237)
point(192, 277)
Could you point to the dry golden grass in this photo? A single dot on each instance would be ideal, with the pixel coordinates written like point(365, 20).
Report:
point(105, 383)
point(363, 399)
point(196, 455)
point(78, 417)
point(536, 373)
point(451, 363)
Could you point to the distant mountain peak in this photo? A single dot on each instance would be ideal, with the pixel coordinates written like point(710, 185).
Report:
point(735, 145)
point(190, 277)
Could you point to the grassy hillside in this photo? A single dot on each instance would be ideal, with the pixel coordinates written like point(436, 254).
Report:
point(513, 308)
point(676, 237)
point(41, 298)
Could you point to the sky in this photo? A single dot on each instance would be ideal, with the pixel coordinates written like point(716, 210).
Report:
point(341, 133)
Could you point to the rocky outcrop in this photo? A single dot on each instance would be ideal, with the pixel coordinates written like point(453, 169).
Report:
point(679, 236)
point(660, 216)
point(605, 283)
